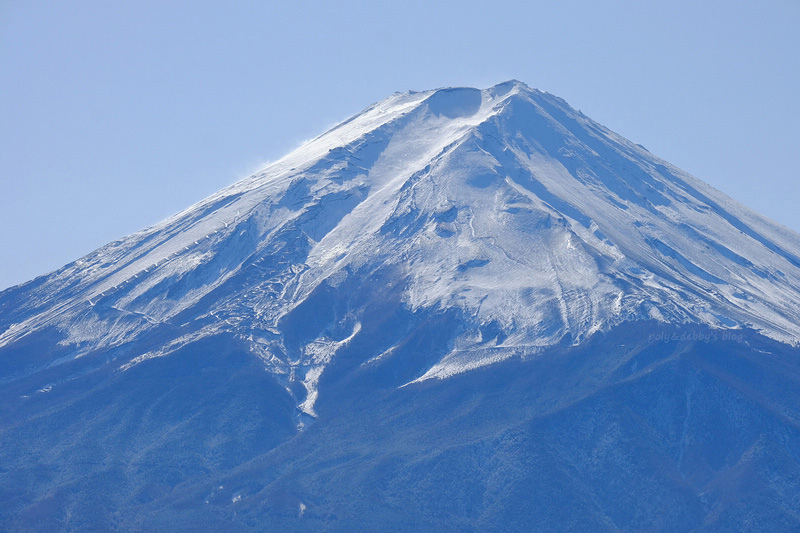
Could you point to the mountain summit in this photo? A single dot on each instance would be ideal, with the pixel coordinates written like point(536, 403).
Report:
point(431, 235)
point(534, 223)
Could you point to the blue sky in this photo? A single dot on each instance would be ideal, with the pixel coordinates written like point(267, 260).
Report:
point(114, 115)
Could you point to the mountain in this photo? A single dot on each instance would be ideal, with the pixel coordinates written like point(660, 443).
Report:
point(458, 309)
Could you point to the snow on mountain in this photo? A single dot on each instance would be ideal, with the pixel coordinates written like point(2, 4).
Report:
point(537, 224)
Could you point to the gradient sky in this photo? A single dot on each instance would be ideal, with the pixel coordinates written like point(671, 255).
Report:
point(114, 115)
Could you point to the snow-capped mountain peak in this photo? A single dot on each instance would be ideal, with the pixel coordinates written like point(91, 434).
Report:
point(506, 207)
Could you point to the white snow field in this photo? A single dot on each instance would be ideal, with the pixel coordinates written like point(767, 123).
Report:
point(536, 223)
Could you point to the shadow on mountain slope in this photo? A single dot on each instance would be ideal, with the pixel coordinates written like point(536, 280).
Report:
point(648, 427)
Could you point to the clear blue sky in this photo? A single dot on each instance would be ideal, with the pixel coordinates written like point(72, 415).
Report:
point(114, 115)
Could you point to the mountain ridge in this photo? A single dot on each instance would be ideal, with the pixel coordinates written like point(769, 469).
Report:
point(460, 309)
point(602, 231)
